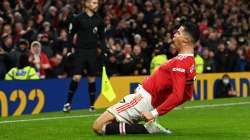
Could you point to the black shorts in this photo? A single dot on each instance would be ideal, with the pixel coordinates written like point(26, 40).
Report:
point(84, 60)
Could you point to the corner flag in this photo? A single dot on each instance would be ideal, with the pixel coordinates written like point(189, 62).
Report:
point(107, 89)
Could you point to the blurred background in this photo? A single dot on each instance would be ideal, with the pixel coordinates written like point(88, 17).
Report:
point(137, 31)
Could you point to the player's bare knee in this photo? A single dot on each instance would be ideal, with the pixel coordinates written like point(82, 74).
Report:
point(101, 122)
point(97, 127)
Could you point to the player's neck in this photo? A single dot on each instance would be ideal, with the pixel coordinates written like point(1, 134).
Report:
point(186, 51)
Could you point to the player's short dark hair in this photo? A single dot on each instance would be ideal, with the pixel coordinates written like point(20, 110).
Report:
point(193, 30)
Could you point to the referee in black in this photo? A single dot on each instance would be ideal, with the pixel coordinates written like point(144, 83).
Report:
point(89, 28)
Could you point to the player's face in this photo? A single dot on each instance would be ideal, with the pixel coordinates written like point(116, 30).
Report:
point(179, 37)
point(93, 5)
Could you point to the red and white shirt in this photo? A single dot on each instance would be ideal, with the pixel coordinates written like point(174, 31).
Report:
point(171, 84)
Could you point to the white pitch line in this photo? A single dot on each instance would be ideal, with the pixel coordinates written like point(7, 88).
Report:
point(217, 105)
point(49, 118)
point(93, 115)
point(212, 105)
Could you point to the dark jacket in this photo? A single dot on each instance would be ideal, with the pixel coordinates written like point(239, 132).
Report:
point(89, 30)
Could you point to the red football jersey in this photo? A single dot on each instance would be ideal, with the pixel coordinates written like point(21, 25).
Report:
point(172, 83)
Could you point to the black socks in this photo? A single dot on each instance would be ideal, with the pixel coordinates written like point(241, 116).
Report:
point(92, 91)
point(72, 89)
point(124, 128)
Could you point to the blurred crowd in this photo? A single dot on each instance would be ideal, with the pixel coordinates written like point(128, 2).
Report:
point(136, 32)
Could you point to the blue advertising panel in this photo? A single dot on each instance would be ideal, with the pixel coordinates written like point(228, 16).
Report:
point(33, 97)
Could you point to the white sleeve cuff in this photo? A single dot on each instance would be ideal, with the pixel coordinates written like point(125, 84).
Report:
point(155, 113)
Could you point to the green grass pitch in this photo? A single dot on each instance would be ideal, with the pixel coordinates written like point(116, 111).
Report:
point(222, 119)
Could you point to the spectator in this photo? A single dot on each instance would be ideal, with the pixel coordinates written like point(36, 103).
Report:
point(46, 46)
point(199, 64)
point(146, 53)
point(158, 58)
point(126, 60)
point(148, 12)
point(22, 48)
point(62, 45)
point(113, 62)
point(6, 31)
point(221, 56)
point(6, 49)
point(23, 71)
point(224, 88)
point(208, 57)
point(3, 67)
point(248, 58)
point(31, 31)
point(242, 55)
point(139, 66)
point(144, 23)
point(57, 67)
point(19, 31)
point(52, 16)
point(233, 61)
point(212, 40)
point(64, 18)
point(39, 59)
point(8, 44)
point(1, 24)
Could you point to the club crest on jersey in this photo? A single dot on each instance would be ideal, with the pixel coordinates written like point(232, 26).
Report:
point(95, 30)
point(178, 69)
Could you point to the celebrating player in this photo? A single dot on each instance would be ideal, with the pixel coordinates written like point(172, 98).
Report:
point(170, 86)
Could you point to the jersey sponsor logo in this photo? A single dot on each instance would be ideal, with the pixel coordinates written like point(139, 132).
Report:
point(178, 69)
